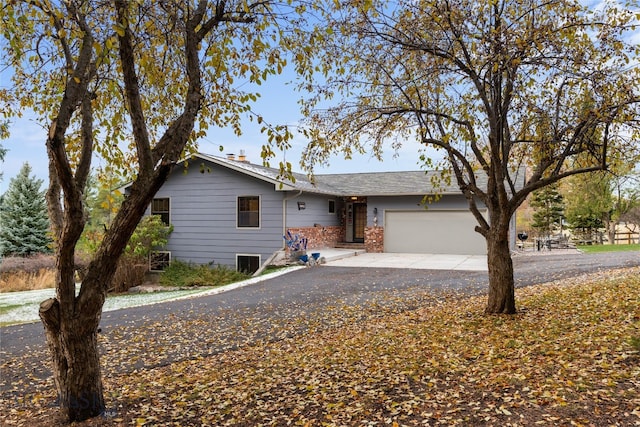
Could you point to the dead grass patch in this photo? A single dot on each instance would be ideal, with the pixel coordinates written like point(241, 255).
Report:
point(27, 281)
point(32, 272)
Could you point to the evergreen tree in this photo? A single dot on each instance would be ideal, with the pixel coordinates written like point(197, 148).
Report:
point(101, 200)
point(590, 204)
point(3, 151)
point(548, 205)
point(24, 223)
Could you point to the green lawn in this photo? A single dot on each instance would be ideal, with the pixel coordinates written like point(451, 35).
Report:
point(590, 249)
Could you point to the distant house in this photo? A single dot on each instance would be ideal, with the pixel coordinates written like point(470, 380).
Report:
point(232, 212)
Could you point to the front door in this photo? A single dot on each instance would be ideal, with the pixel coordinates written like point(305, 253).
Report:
point(359, 221)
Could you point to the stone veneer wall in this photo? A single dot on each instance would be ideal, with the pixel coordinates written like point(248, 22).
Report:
point(374, 239)
point(319, 237)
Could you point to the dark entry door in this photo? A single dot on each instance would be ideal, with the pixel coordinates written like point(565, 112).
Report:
point(359, 221)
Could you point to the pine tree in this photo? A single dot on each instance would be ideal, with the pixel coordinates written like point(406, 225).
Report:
point(548, 205)
point(590, 204)
point(24, 223)
point(3, 151)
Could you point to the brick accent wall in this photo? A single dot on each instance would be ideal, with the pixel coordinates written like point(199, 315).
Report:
point(320, 237)
point(328, 237)
point(374, 239)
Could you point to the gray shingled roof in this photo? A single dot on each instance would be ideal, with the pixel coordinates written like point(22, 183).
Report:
point(388, 183)
point(349, 184)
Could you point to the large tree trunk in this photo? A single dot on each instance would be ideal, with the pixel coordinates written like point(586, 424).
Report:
point(76, 361)
point(501, 283)
point(611, 226)
point(71, 322)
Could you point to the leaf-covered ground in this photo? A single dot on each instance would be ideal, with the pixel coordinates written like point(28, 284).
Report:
point(570, 357)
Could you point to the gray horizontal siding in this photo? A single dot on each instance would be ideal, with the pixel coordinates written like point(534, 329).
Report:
point(203, 214)
point(316, 210)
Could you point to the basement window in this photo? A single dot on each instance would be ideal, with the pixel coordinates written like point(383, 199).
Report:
point(159, 260)
point(248, 263)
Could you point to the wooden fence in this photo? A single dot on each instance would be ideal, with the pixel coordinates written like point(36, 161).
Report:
point(627, 237)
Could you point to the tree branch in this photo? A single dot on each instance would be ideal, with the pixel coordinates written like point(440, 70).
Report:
point(131, 86)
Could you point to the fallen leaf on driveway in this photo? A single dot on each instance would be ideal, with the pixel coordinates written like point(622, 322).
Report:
point(567, 358)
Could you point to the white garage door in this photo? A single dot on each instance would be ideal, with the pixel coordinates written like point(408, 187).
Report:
point(432, 232)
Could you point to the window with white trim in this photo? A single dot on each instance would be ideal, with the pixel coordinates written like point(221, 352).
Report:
point(159, 260)
point(161, 207)
point(248, 212)
point(248, 263)
point(332, 206)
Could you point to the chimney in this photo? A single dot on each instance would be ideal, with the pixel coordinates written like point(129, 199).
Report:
point(231, 156)
point(242, 157)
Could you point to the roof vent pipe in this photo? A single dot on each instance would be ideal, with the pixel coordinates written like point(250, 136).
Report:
point(231, 156)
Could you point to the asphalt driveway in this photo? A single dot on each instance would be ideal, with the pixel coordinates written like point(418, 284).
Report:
point(304, 300)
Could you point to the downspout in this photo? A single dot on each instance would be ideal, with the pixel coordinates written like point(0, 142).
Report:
point(284, 230)
point(284, 214)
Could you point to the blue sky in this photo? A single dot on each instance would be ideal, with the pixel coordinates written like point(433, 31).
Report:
point(278, 104)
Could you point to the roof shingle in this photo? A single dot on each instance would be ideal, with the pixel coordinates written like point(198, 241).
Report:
point(350, 184)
